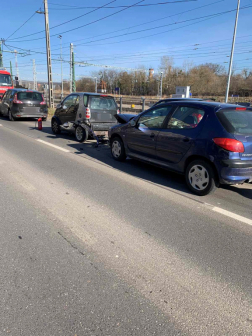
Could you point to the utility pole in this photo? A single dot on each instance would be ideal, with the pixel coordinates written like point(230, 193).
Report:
point(95, 84)
point(11, 69)
point(60, 37)
point(1, 53)
point(73, 75)
point(71, 67)
point(34, 76)
point(48, 50)
point(16, 64)
point(232, 52)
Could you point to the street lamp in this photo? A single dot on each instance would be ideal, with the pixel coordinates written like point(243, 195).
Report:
point(232, 52)
point(60, 37)
point(48, 52)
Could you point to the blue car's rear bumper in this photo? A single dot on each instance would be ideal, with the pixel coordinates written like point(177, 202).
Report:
point(235, 171)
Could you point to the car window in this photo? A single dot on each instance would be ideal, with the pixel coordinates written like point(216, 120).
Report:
point(12, 94)
point(8, 94)
point(154, 118)
point(85, 100)
point(75, 100)
point(69, 101)
point(236, 122)
point(186, 117)
point(5, 80)
point(26, 95)
point(102, 103)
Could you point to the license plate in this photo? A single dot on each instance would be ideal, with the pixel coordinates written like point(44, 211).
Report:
point(101, 133)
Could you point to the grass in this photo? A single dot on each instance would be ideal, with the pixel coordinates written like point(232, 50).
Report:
point(50, 112)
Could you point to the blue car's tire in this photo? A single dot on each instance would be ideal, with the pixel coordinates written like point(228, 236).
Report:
point(200, 178)
point(117, 149)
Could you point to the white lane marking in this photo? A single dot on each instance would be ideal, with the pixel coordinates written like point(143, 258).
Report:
point(54, 146)
point(233, 215)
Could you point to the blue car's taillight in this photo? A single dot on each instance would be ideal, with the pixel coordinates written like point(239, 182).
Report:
point(231, 145)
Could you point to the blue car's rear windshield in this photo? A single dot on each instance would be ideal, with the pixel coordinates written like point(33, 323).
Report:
point(236, 122)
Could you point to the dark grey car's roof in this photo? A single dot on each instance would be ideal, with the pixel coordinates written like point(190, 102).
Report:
point(91, 94)
point(21, 89)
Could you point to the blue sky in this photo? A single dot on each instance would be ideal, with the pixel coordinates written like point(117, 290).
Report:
point(181, 30)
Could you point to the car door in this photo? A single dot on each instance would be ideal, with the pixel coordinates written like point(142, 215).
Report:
point(179, 135)
point(73, 108)
point(62, 112)
point(141, 139)
point(2, 108)
point(6, 103)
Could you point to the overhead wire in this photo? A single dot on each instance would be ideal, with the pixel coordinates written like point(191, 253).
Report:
point(21, 26)
point(143, 37)
point(85, 25)
point(164, 52)
point(42, 31)
point(207, 17)
point(141, 24)
point(164, 32)
point(120, 6)
point(157, 27)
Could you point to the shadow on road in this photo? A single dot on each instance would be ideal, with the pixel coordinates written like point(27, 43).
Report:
point(132, 167)
point(247, 193)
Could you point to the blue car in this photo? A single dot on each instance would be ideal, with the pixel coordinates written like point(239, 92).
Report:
point(210, 143)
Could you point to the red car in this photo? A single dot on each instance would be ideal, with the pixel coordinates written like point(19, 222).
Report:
point(5, 82)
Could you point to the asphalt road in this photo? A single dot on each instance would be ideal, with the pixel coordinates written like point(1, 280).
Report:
point(89, 246)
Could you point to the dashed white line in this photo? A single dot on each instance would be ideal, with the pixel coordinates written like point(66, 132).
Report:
point(233, 215)
point(54, 146)
point(216, 209)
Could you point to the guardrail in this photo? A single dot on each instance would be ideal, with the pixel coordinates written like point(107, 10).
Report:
point(135, 104)
point(126, 104)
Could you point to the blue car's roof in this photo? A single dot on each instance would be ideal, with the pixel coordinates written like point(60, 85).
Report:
point(215, 105)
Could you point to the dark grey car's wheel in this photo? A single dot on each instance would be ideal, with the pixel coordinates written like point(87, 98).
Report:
point(11, 118)
point(117, 149)
point(200, 178)
point(55, 127)
point(81, 134)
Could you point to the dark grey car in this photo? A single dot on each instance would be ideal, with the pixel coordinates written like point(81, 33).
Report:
point(85, 114)
point(22, 103)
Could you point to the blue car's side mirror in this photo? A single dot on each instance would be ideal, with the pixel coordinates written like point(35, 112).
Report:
point(133, 123)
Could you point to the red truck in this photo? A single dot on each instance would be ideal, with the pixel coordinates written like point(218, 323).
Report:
point(5, 81)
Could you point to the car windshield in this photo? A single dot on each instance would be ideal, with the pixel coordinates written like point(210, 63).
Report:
point(102, 103)
point(5, 80)
point(24, 95)
point(236, 122)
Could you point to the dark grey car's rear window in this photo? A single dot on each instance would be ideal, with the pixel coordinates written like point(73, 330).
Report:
point(30, 96)
point(236, 122)
point(102, 103)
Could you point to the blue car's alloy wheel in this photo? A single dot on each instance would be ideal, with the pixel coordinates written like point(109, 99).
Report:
point(200, 177)
point(117, 149)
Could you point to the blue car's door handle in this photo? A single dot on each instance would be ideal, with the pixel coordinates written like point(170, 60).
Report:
point(152, 135)
point(186, 139)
